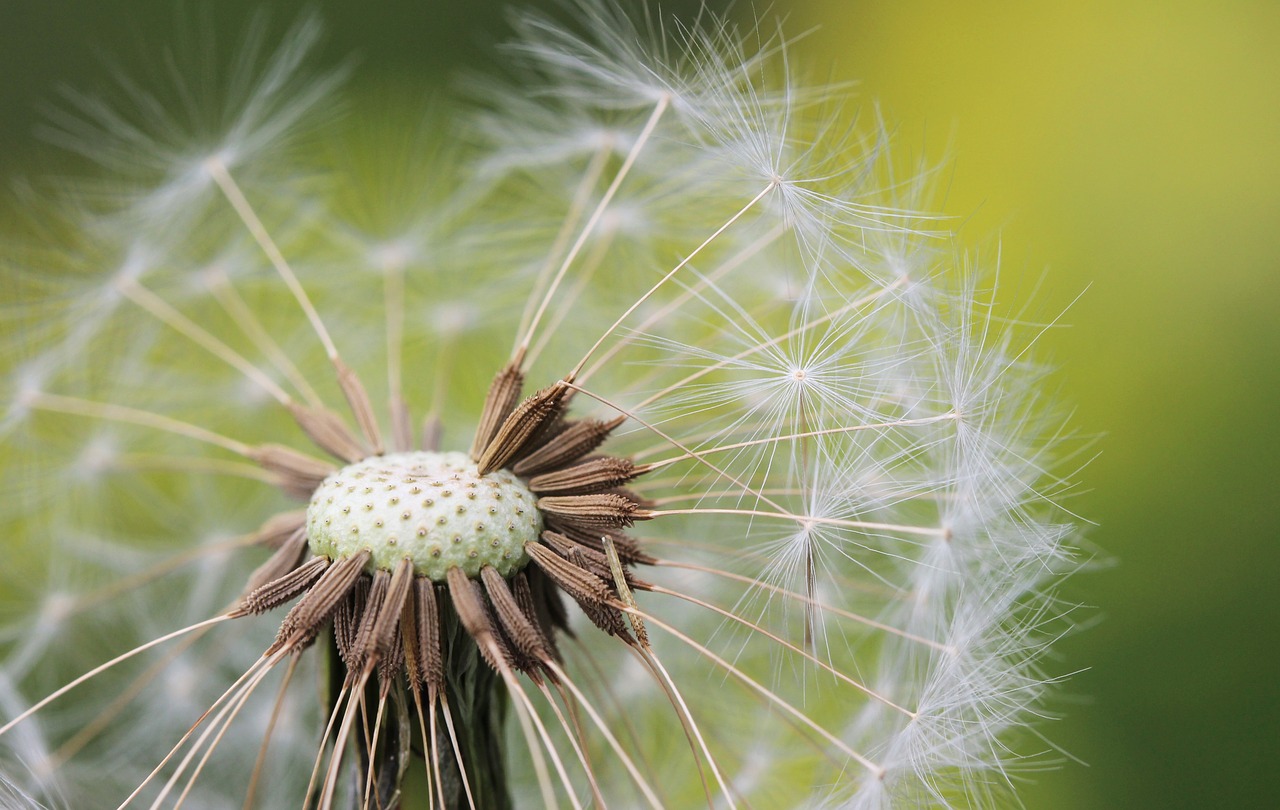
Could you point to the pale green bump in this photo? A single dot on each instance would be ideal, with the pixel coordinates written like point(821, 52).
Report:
point(434, 508)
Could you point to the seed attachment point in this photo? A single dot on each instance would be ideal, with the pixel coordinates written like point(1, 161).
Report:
point(342, 520)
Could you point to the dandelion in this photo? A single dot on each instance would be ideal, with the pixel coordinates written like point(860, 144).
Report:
point(758, 507)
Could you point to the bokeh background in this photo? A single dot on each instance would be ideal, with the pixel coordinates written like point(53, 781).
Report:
point(1128, 151)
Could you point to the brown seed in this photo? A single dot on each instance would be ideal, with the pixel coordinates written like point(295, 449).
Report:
point(607, 509)
point(430, 656)
point(504, 393)
point(358, 399)
point(297, 473)
point(571, 444)
point(279, 528)
point(468, 603)
point(281, 589)
point(303, 623)
point(628, 547)
point(524, 635)
point(288, 556)
point(326, 429)
point(521, 426)
point(593, 475)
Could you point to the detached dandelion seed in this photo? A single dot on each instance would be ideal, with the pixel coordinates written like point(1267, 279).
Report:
point(760, 507)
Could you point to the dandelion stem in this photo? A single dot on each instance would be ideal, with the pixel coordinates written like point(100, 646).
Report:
point(457, 755)
point(774, 341)
point(355, 394)
point(690, 726)
point(528, 718)
point(636, 776)
point(674, 443)
point(232, 711)
point(591, 264)
point(134, 581)
point(145, 462)
point(726, 267)
point(266, 662)
point(324, 742)
point(573, 731)
point(99, 723)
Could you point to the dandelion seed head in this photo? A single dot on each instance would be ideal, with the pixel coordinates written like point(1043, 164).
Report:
point(757, 471)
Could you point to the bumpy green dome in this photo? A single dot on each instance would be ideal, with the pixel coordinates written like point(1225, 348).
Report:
point(434, 508)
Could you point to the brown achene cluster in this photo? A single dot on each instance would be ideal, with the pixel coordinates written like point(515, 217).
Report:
point(395, 622)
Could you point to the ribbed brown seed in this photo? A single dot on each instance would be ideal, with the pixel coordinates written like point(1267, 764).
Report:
point(296, 473)
point(606, 509)
point(409, 638)
point(327, 430)
point(521, 426)
point(468, 603)
point(546, 432)
point(571, 444)
point(358, 399)
point(391, 664)
point(383, 644)
point(549, 603)
point(628, 547)
point(288, 556)
point(511, 651)
point(504, 394)
point(384, 630)
point(276, 592)
point(576, 582)
point(590, 592)
point(606, 617)
point(430, 657)
point(594, 561)
point(524, 635)
point(593, 475)
point(346, 621)
point(279, 528)
point(368, 622)
point(523, 593)
point(639, 500)
point(303, 623)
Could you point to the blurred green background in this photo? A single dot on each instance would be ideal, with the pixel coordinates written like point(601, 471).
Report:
point(1131, 149)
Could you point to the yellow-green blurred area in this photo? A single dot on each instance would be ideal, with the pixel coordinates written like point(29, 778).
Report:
point(1128, 151)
